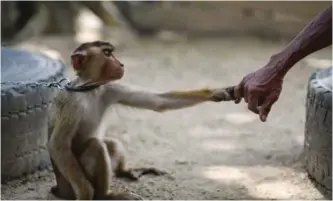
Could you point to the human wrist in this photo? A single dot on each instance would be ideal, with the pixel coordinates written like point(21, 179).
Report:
point(279, 64)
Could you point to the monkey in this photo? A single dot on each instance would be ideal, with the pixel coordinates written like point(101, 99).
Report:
point(83, 158)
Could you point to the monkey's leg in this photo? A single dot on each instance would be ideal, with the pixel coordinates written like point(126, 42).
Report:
point(117, 154)
point(96, 166)
point(62, 189)
point(96, 163)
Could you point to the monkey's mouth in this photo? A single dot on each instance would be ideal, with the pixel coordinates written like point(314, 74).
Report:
point(77, 60)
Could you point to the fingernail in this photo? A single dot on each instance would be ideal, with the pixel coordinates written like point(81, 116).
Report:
point(263, 118)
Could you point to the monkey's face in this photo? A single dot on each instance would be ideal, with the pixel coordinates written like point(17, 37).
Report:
point(96, 61)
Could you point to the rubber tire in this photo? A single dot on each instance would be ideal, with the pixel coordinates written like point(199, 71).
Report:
point(318, 129)
point(24, 110)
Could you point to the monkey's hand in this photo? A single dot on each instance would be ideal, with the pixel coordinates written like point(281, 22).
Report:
point(223, 94)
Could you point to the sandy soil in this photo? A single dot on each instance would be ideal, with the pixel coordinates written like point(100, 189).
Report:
point(214, 150)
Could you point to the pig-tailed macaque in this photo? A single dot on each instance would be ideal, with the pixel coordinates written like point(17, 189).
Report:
point(83, 159)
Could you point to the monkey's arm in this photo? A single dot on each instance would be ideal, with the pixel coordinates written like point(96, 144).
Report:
point(170, 100)
point(60, 151)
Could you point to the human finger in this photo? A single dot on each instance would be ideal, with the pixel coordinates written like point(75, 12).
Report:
point(265, 108)
point(253, 104)
point(238, 93)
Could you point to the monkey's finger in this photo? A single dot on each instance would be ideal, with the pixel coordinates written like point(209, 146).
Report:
point(221, 95)
point(232, 95)
point(238, 93)
point(231, 92)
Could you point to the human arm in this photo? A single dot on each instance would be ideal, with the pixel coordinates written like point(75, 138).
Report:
point(262, 88)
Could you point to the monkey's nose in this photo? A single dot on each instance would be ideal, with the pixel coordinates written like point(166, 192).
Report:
point(122, 65)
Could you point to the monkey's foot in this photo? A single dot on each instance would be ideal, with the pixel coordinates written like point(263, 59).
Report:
point(135, 173)
point(66, 195)
point(121, 196)
point(54, 189)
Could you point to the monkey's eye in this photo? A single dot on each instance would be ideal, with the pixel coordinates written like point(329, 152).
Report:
point(107, 52)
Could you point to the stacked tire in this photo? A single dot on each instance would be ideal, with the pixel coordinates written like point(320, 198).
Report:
point(24, 110)
point(318, 130)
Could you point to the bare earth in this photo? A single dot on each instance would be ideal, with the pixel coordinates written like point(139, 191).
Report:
point(214, 150)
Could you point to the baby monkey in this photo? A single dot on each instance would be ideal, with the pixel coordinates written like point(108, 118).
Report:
point(83, 158)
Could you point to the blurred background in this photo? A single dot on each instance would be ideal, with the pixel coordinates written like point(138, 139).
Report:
point(269, 19)
point(223, 153)
point(125, 22)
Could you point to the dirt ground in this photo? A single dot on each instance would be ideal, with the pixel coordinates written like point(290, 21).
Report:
point(214, 150)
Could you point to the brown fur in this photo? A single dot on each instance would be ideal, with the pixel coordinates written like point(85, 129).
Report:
point(84, 160)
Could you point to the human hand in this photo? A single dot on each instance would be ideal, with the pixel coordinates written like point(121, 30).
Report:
point(260, 90)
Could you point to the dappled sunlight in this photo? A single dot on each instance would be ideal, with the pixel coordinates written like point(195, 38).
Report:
point(218, 145)
point(206, 132)
point(318, 63)
point(299, 139)
point(240, 117)
point(277, 189)
point(222, 138)
point(266, 182)
point(89, 27)
point(84, 36)
point(225, 173)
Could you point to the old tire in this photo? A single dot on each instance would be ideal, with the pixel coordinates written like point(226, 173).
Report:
point(318, 129)
point(24, 109)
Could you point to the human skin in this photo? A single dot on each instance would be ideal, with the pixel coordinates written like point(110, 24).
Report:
point(261, 88)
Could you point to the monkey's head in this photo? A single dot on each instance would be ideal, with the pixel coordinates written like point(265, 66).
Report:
point(95, 61)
